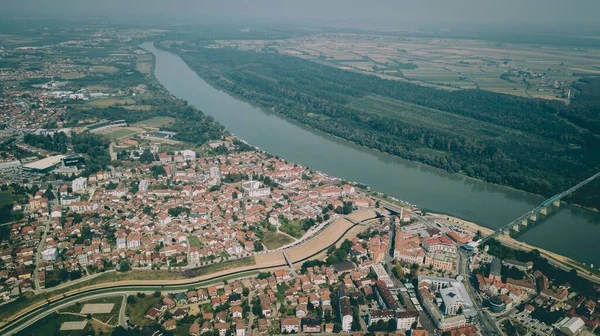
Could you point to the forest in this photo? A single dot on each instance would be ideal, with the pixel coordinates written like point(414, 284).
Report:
point(535, 145)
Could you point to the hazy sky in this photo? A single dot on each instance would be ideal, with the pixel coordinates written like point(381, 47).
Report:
point(536, 12)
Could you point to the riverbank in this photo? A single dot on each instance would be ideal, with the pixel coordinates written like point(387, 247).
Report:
point(558, 260)
point(426, 187)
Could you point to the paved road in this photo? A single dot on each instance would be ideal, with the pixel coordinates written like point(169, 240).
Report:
point(38, 258)
point(488, 323)
point(43, 314)
point(250, 314)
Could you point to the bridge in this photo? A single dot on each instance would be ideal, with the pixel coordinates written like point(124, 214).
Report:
point(290, 263)
point(533, 214)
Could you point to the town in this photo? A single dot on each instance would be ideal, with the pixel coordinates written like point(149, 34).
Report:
point(126, 211)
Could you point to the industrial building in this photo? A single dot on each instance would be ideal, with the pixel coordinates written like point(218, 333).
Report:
point(44, 165)
point(11, 170)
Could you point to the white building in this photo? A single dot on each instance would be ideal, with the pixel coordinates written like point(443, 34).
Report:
point(571, 326)
point(254, 189)
point(49, 254)
point(79, 184)
point(382, 275)
point(143, 185)
point(11, 170)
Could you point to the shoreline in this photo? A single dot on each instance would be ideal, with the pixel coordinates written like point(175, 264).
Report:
point(301, 124)
point(556, 259)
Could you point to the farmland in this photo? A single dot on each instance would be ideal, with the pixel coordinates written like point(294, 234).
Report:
point(518, 69)
point(471, 129)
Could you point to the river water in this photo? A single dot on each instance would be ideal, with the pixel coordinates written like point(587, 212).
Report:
point(569, 230)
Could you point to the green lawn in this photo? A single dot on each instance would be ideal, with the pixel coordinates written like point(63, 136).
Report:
point(194, 241)
point(110, 318)
point(273, 240)
point(50, 326)
point(293, 228)
point(119, 133)
point(154, 122)
point(137, 310)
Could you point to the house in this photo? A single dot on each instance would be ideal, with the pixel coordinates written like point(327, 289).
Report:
point(153, 314)
point(290, 324)
point(169, 302)
point(237, 312)
point(240, 329)
point(311, 325)
point(180, 298)
point(180, 313)
point(194, 329)
point(222, 328)
point(170, 324)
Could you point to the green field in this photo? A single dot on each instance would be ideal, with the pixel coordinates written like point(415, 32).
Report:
point(293, 228)
point(137, 310)
point(154, 122)
point(109, 318)
point(50, 326)
point(273, 240)
point(119, 133)
point(194, 241)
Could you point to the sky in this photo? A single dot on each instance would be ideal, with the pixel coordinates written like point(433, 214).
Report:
point(427, 12)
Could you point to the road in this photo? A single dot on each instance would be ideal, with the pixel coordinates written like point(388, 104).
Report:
point(250, 314)
point(38, 258)
point(487, 322)
point(424, 319)
point(71, 302)
point(30, 313)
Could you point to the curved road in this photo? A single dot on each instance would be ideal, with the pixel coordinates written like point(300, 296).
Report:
point(28, 316)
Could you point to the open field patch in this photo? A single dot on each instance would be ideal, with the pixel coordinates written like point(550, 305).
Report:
point(120, 133)
point(110, 102)
point(154, 122)
point(274, 240)
point(97, 308)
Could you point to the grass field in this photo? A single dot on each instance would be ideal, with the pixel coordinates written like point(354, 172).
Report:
point(72, 75)
point(138, 107)
point(137, 310)
point(104, 68)
point(274, 240)
point(194, 241)
point(110, 318)
point(119, 133)
point(154, 122)
point(7, 198)
point(144, 63)
point(293, 228)
point(110, 102)
point(445, 64)
point(50, 326)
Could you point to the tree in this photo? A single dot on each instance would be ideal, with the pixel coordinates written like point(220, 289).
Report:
point(158, 171)
point(146, 156)
point(124, 266)
point(258, 246)
point(131, 300)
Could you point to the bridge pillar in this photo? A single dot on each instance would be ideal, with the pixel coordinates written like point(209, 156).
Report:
point(556, 203)
point(533, 217)
point(506, 232)
point(516, 227)
point(524, 222)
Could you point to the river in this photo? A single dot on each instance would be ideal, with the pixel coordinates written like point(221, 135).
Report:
point(569, 230)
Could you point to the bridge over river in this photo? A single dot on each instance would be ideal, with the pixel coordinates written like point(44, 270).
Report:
point(532, 215)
